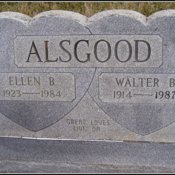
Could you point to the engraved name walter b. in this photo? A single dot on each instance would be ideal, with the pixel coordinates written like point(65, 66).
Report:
point(34, 51)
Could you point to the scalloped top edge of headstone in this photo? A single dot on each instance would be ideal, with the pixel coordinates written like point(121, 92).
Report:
point(85, 20)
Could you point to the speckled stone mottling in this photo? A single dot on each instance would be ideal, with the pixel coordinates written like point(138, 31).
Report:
point(55, 110)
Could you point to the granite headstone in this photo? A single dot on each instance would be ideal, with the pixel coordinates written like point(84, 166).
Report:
point(107, 78)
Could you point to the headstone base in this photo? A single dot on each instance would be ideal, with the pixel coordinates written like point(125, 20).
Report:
point(72, 156)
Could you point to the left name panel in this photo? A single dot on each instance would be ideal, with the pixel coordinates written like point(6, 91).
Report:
point(37, 86)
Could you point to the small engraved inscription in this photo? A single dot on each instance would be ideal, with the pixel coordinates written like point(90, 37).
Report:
point(83, 125)
point(37, 86)
point(137, 88)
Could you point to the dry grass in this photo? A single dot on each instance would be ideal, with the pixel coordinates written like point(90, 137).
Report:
point(85, 8)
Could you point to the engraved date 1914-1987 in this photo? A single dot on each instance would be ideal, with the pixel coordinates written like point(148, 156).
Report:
point(156, 95)
point(137, 88)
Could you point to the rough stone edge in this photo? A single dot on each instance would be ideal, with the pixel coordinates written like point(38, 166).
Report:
point(83, 20)
point(63, 14)
point(128, 13)
point(162, 14)
point(15, 16)
point(27, 20)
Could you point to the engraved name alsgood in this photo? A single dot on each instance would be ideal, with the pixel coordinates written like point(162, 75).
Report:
point(137, 88)
point(88, 51)
point(37, 86)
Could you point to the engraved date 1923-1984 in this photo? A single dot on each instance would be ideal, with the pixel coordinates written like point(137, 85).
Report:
point(42, 93)
point(37, 86)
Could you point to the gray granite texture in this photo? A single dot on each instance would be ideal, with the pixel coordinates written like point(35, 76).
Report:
point(36, 115)
point(70, 156)
point(94, 94)
point(109, 77)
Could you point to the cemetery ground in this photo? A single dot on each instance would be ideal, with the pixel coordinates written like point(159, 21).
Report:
point(85, 8)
